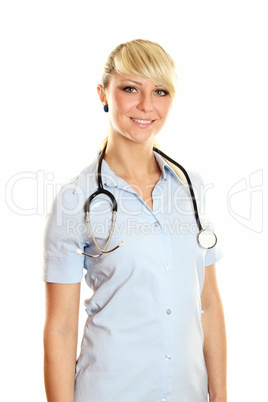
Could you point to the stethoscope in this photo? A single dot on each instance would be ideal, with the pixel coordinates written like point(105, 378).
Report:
point(206, 238)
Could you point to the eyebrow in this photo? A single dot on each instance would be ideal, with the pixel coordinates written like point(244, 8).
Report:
point(129, 80)
point(136, 82)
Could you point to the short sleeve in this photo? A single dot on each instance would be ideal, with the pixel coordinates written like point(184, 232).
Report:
point(213, 255)
point(62, 237)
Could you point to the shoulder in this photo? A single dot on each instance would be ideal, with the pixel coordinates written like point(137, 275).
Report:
point(72, 194)
point(196, 177)
point(83, 183)
point(198, 187)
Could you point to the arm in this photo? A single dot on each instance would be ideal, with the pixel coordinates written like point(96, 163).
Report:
point(214, 336)
point(60, 340)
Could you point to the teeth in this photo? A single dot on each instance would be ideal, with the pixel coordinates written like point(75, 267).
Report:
point(142, 121)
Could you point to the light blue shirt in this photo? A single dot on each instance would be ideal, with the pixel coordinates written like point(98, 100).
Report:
point(143, 338)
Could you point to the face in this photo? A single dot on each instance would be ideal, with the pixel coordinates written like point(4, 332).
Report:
point(138, 109)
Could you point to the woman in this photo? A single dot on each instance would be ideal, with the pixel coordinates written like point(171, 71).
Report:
point(144, 339)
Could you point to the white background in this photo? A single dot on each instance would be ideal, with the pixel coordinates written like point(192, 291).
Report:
point(52, 124)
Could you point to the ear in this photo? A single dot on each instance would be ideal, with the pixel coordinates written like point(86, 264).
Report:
point(101, 94)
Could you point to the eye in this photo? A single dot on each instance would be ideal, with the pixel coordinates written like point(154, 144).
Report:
point(161, 92)
point(130, 90)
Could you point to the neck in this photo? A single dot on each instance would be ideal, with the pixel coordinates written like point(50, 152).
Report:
point(129, 159)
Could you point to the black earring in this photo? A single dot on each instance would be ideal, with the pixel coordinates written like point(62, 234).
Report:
point(105, 108)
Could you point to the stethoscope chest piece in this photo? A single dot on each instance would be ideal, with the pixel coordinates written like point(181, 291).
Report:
point(206, 238)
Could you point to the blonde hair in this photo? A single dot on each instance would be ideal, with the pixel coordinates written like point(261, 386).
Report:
point(146, 59)
point(142, 58)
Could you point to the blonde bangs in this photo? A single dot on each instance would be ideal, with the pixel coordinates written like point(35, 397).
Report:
point(142, 58)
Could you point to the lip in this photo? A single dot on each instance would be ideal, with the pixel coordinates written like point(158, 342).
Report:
point(142, 122)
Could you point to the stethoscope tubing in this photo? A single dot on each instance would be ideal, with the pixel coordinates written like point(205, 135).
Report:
point(208, 236)
point(184, 171)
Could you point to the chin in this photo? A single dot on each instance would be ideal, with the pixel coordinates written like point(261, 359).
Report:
point(141, 136)
point(141, 139)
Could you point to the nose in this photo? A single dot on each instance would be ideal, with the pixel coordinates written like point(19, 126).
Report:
point(146, 103)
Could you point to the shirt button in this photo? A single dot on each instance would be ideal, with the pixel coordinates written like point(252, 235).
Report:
point(166, 267)
point(163, 400)
point(167, 357)
point(168, 311)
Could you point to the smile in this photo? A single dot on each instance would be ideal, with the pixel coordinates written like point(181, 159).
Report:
point(142, 121)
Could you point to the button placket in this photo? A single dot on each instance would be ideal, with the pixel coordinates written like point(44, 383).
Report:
point(168, 357)
point(156, 228)
point(168, 332)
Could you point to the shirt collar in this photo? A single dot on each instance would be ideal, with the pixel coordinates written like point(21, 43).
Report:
point(165, 167)
point(87, 180)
